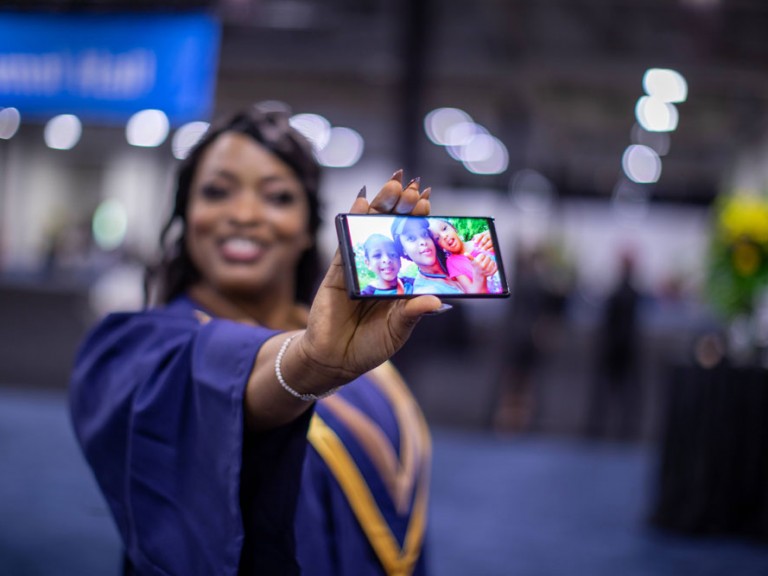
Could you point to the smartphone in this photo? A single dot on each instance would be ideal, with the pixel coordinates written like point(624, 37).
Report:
point(388, 256)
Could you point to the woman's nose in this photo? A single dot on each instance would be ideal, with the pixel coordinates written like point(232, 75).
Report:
point(248, 208)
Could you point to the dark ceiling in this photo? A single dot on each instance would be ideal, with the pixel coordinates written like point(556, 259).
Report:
point(555, 80)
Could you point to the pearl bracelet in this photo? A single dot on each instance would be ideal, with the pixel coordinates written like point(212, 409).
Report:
point(284, 384)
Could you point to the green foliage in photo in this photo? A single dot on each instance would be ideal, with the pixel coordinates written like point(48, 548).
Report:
point(468, 228)
point(364, 275)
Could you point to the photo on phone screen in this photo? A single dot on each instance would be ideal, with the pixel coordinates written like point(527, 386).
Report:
point(387, 256)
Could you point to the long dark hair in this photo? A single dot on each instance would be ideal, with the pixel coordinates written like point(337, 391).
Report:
point(267, 123)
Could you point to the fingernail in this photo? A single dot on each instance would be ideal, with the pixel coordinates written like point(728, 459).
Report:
point(443, 308)
point(425, 194)
point(416, 180)
point(398, 175)
point(362, 192)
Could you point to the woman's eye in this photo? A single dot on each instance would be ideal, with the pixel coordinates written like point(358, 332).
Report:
point(212, 192)
point(281, 198)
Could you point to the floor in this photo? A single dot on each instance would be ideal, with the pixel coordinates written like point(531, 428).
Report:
point(521, 506)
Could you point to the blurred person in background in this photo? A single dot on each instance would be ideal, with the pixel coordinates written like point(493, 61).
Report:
point(72, 252)
point(194, 413)
point(615, 403)
point(533, 316)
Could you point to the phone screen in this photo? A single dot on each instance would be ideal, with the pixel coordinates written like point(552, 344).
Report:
point(387, 256)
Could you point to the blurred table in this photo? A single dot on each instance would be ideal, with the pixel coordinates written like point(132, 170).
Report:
point(713, 468)
point(42, 325)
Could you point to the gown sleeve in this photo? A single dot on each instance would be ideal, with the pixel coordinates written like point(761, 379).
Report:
point(157, 405)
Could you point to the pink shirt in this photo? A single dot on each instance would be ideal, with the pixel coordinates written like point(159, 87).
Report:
point(461, 265)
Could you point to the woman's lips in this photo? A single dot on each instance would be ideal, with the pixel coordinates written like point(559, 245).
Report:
point(241, 250)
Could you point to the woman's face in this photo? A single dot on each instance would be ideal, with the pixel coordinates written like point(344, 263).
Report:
point(417, 243)
point(446, 235)
point(383, 259)
point(248, 218)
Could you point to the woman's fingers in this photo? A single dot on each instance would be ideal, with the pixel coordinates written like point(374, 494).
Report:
point(408, 198)
point(422, 207)
point(359, 206)
point(393, 198)
point(389, 195)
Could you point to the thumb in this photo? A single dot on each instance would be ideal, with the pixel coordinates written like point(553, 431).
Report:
point(414, 308)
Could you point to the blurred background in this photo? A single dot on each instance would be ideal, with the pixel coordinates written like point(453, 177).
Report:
point(609, 417)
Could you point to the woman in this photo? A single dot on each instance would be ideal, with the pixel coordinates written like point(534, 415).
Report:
point(194, 414)
point(414, 242)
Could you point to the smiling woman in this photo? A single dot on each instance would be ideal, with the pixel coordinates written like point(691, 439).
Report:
point(199, 414)
point(248, 223)
point(416, 243)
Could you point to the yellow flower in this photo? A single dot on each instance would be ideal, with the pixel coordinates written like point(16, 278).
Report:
point(745, 216)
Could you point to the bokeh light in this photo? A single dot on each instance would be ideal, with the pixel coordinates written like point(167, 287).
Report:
point(344, 148)
point(109, 224)
point(314, 127)
point(439, 122)
point(186, 137)
point(63, 132)
point(147, 128)
point(641, 164)
point(655, 115)
point(665, 85)
point(10, 120)
point(491, 157)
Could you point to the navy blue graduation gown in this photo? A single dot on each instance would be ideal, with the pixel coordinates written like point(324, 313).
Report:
point(363, 503)
point(157, 404)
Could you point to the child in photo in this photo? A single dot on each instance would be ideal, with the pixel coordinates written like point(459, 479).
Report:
point(383, 259)
point(465, 260)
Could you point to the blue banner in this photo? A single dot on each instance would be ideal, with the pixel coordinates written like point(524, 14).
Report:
point(104, 68)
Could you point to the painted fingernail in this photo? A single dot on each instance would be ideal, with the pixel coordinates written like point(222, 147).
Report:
point(362, 192)
point(425, 194)
point(443, 308)
point(416, 181)
point(398, 175)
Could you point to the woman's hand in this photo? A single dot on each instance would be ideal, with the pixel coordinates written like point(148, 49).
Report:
point(345, 338)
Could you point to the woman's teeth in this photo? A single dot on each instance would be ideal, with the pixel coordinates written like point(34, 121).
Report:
point(240, 248)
